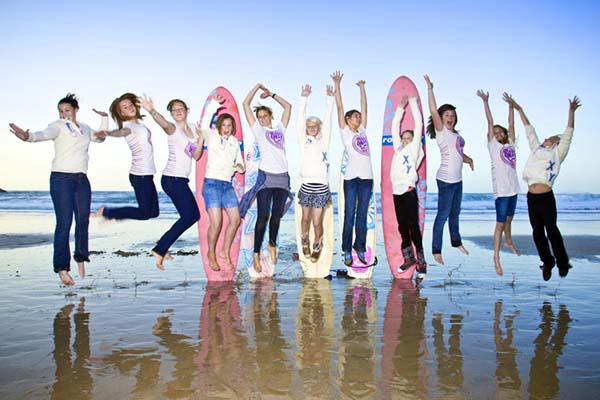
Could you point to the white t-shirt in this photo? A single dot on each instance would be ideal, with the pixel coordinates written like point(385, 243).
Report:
point(181, 149)
point(356, 145)
point(140, 144)
point(451, 146)
point(71, 144)
point(314, 164)
point(271, 143)
point(504, 169)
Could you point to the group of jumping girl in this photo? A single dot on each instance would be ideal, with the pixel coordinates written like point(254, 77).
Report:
point(71, 193)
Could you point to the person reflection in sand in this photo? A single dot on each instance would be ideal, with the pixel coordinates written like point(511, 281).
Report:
point(183, 352)
point(404, 351)
point(449, 362)
point(72, 380)
point(508, 383)
point(359, 341)
point(543, 372)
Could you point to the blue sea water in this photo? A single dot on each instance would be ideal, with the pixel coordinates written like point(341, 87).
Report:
point(472, 203)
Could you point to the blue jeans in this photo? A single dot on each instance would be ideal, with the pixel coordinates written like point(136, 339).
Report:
point(147, 198)
point(184, 201)
point(71, 195)
point(357, 194)
point(505, 207)
point(448, 208)
point(218, 194)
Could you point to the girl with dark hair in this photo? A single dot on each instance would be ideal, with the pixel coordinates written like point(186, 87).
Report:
point(224, 159)
point(540, 172)
point(125, 110)
point(501, 145)
point(442, 127)
point(184, 145)
point(273, 182)
point(358, 180)
point(69, 186)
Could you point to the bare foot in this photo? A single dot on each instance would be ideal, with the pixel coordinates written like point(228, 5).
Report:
point(81, 268)
point(512, 247)
point(273, 253)
point(462, 249)
point(498, 266)
point(65, 278)
point(99, 212)
point(224, 255)
point(159, 260)
point(212, 261)
point(168, 256)
point(438, 258)
point(256, 263)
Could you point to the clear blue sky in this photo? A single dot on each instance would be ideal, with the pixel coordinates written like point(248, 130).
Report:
point(542, 52)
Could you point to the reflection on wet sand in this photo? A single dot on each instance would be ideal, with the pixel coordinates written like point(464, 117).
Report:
point(358, 341)
point(72, 379)
point(314, 336)
point(404, 351)
point(543, 372)
point(272, 358)
point(508, 383)
point(224, 361)
point(449, 361)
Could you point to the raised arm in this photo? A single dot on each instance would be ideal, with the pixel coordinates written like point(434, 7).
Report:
point(326, 128)
point(337, 79)
point(148, 105)
point(209, 113)
point(532, 138)
point(565, 140)
point(435, 117)
point(287, 109)
point(363, 103)
point(199, 143)
point(248, 104)
point(50, 133)
point(485, 96)
point(396, 138)
point(418, 130)
point(301, 123)
point(99, 135)
point(511, 119)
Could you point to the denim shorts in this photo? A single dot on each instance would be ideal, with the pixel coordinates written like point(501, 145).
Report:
point(218, 194)
point(505, 207)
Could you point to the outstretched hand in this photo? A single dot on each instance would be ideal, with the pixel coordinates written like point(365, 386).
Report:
point(329, 90)
point(266, 93)
point(337, 77)
point(306, 91)
point(485, 96)
point(101, 134)
point(18, 132)
point(146, 102)
point(361, 84)
point(510, 100)
point(199, 133)
point(574, 104)
point(100, 113)
point(428, 81)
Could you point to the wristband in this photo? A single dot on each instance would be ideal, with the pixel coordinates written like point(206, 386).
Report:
point(273, 95)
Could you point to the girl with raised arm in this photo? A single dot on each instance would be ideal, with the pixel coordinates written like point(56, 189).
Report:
point(224, 159)
point(408, 154)
point(184, 146)
point(273, 183)
point(442, 127)
point(358, 180)
point(314, 195)
point(125, 110)
point(501, 145)
point(69, 186)
point(541, 170)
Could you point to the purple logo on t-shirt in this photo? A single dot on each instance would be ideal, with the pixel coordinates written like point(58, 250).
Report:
point(509, 156)
point(275, 138)
point(190, 148)
point(360, 144)
point(460, 145)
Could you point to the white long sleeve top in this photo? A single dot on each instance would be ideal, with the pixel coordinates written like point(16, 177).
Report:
point(314, 151)
point(406, 160)
point(223, 152)
point(543, 164)
point(71, 143)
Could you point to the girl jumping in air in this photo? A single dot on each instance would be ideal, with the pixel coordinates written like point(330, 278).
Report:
point(442, 127)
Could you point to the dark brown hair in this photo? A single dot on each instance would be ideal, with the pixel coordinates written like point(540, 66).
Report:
point(70, 99)
point(263, 108)
point(115, 110)
point(441, 110)
point(172, 103)
point(222, 119)
point(505, 141)
point(349, 114)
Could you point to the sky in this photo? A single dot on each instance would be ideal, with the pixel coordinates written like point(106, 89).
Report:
point(543, 52)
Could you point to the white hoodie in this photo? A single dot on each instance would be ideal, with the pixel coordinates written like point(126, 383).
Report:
point(406, 160)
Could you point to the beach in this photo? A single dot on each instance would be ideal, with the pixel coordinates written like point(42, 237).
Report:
point(129, 330)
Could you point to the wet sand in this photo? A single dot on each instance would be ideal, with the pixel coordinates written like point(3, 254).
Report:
point(130, 331)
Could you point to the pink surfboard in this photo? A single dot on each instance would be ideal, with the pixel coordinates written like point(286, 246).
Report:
point(402, 86)
point(225, 274)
